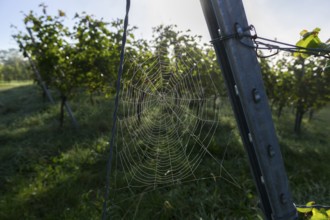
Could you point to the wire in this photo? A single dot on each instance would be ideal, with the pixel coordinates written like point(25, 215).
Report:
point(313, 206)
point(261, 43)
point(120, 73)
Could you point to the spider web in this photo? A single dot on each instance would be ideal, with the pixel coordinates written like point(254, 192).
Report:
point(171, 109)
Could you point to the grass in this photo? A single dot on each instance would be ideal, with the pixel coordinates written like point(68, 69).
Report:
point(47, 171)
point(52, 173)
point(306, 156)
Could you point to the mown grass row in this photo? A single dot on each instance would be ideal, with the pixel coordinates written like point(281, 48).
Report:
point(47, 172)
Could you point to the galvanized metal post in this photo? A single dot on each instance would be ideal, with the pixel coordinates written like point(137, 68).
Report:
point(243, 78)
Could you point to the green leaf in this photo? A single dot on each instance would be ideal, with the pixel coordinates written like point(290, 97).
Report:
point(328, 213)
point(309, 40)
point(303, 33)
point(61, 13)
point(317, 215)
point(306, 210)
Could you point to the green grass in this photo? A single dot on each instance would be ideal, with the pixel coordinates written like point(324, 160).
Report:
point(47, 171)
point(52, 173)
point(307, 156)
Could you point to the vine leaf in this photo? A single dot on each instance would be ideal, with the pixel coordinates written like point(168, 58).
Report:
point(309, 40)
point(314, 213)
point(328, 213)
point(318, 215)
point(306, 210)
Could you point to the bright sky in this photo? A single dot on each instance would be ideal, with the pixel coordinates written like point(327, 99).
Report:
point(281, 19)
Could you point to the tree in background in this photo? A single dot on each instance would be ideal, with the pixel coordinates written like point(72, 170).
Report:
point(182, 43)
point(283, 89)
point(311, 87)
point(70, 60)
point(46, 43)
point(299, 83)
point(311, 82)
point(13, 66)
point(95, 53)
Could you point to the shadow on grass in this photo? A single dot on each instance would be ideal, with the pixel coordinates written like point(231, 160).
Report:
point(30, 135)
point(68, 195)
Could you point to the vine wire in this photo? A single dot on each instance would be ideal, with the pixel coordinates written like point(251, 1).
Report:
point(113, 131)
point(262, 43)
point(313, 206)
